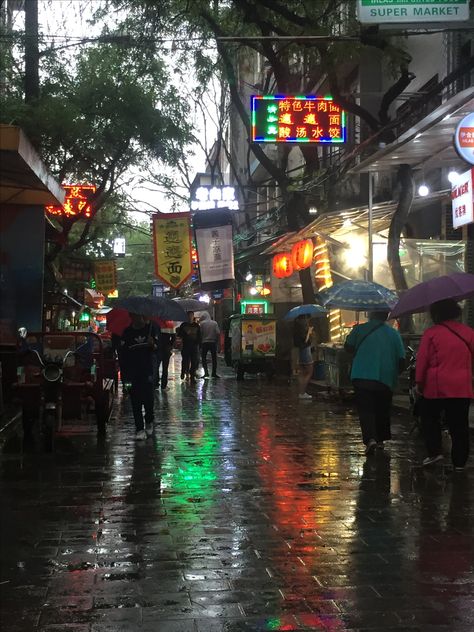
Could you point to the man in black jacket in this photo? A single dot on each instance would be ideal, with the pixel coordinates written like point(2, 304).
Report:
point(138, 345)
point(190, 334)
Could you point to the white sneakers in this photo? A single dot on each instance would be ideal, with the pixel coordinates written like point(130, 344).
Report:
point(432, 459)
point(304, 396)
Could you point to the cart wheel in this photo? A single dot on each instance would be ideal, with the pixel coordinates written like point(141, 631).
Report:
point(240, 372)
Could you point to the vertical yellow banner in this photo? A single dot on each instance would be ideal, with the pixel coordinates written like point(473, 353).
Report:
point(105, 275)
point(172, 248)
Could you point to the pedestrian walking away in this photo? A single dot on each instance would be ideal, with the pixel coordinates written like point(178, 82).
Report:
point(190, 334)
point(303, 341)
point(210, 340)
point(163, 355)
point(378, 358)
point(444, 381)
point(139, 343)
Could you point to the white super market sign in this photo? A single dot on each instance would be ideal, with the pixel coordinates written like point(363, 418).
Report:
point(386, 11)
point(462, 199)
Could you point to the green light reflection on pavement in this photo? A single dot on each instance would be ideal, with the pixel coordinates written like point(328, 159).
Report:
point(188, 474)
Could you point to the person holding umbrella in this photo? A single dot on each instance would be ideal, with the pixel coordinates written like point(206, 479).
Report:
point(444, 362)
point(138, 345)
point(302, 339)
point(444, 380)
point(378, 358)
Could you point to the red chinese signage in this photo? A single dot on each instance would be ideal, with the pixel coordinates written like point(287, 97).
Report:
point(297, 119)
point(77, 202)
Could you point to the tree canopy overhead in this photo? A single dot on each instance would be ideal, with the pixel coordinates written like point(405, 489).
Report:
point(103, 107)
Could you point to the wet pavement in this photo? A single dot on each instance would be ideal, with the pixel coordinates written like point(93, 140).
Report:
point(247, 511)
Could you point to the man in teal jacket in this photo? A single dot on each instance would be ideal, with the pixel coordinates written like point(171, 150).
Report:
point(379, 357)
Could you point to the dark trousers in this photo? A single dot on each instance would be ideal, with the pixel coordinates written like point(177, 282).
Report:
point(189, 361)
point(456, 413)
point(142, 397)
point(374, 408)
point(212, 347)
point(163, 362)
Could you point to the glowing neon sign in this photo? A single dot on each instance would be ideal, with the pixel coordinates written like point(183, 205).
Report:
point(77, 202)
point(297, 119)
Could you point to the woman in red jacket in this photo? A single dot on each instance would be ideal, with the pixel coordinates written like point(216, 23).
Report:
point(444, 379)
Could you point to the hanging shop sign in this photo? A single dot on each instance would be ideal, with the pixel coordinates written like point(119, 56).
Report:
point(254, 307)
point(211, 197)
point(213, 237)
point(172, 248)
point(393, 11)
point(462, 199)
point(282, 265)
point(297, 119)
point(464, 138)
point(302, 254)
point(119, 246)
point(105, 275)
point(77, 203)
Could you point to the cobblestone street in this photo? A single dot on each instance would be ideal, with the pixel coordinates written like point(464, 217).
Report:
point(247, 511)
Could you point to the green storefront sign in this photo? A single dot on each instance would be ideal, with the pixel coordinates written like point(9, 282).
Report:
point(396, 11)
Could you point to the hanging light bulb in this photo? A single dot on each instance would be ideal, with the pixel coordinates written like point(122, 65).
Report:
point(453, 176)
point(249, 276)
point(423, 190)
point(253, 291)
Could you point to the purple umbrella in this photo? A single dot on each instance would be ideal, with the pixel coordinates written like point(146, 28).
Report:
point(419, 298)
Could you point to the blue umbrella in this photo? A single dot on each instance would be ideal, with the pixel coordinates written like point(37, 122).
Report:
point(315, 311)
point(359, 296)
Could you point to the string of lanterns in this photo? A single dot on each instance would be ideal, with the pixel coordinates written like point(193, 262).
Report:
point(300, 257)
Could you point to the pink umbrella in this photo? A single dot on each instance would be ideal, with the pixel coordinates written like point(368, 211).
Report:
point(419, 298)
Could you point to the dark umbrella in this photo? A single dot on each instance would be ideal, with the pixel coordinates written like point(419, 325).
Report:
point(152, 307)
point(359, 296)
point(315, 311)
point(119, 319)
point(419, 298)
point(191, 304)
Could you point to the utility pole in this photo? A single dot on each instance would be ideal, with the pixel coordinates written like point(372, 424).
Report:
point(31, 51)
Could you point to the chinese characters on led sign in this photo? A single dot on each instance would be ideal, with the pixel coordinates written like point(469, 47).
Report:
point(211, 197)
point(77, 202)
point(297, 119)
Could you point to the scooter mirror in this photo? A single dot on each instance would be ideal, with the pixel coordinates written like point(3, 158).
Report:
point(22, 332)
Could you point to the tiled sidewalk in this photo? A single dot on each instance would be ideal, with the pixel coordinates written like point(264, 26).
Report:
point(247, 511)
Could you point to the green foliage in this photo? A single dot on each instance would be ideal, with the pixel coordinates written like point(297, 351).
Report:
point(138, 266)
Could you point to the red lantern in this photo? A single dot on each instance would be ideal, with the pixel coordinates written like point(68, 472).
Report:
point(282, 265)
point(302, 254)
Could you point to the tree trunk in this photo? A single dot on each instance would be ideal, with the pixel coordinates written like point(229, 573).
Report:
point(31, 51)
point(399, 219)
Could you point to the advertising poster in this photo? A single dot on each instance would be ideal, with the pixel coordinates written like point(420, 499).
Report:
point(172, 248)
point(258, 338)
point(105, 275)
point(216, 254)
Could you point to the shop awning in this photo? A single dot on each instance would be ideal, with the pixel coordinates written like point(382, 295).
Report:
point(92, 298)
point(429, 143)
point(24, 178)
point(328, 223)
